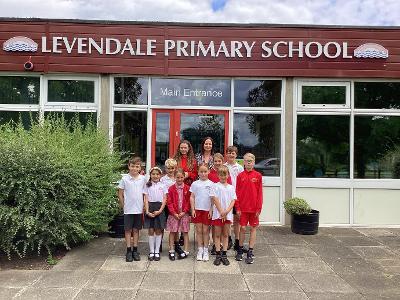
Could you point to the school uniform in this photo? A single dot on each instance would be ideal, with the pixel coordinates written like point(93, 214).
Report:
point(234, 171)
point(178, 201)
point(167, 181)
point(183, 163)
point(225, 194)
point(133, 200)
point(249, 197)
point(202, 200)
point(213, 176)
point(155, 193)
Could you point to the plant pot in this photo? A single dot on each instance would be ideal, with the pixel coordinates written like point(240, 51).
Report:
point(117, 226)
point(305, 224)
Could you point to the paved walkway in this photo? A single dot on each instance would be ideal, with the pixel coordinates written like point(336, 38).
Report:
point(338, 263)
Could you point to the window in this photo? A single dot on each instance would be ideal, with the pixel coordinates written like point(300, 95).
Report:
point(130, 90)
point(130, 130)
point(64, 91)
point(259, 134)
point(26, 117)
point(324, 94)
point(323, 146)
point(377, 95)
point(377, 147)
point(19, 90)
point(84, 117)
point(258, 93)
point(190, 92)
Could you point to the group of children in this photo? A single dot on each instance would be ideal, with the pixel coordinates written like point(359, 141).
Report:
point(221, 196)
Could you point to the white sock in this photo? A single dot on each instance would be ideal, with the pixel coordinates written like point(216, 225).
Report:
point(205, 249)
point(151, 243)
point(158, 243)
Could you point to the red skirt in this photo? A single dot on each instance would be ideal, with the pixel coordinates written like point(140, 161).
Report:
point(201, 217)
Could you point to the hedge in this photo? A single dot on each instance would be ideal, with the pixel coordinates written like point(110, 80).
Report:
point(55, 184)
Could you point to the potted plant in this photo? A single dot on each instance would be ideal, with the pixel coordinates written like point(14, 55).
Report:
point(304, 220)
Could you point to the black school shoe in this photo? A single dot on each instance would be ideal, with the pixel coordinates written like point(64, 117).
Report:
point(239, 254)
point(225, 260)
point(213, 250)
point(249, 259)
point(218, 260)
point(136, 256)
point(157, 256)
point(128, 256)
point(171, 256)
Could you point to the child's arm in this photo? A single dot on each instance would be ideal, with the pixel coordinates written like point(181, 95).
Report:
point(192, 199)
point(237, 202)
point(230, 207)
point(164, 201)
point(217, 204)
point(121, 197)
point(146, 206)
point(259, 197)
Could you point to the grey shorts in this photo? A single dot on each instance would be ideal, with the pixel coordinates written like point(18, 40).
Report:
point(133, 221)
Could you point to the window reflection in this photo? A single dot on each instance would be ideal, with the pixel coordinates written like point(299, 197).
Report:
point(322, 146)
point(130, 90)
point(19, 90)
point(258, 93)
point(162, 138)
point(190, 92)
point(26, 117)
point(377, 95)
point(376, 147)
point(323, 94)
point(71, 91)
point(260, 135)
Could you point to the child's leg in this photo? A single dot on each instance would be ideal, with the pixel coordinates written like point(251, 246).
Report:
point(151, 240)
point(172, 240)
point(186, 241)
point(225, 236)
point(242, 235)
point(128, 234)
point(236, 226)
point(217, 237)
point(199, 235)
point(135, 237)
point(253, 235)
point(158, 237)
point(205, 235)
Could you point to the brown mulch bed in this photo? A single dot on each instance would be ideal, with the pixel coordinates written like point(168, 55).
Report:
point(31, 261)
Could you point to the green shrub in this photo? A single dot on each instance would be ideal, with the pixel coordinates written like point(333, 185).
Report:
point(55, 184)
point(297, 206)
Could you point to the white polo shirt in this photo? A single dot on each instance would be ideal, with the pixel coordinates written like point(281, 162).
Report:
point(234, 171)
point(156, 191)
point(133, 193)
point(201, 190)
point(225, 195)
point(167, 181)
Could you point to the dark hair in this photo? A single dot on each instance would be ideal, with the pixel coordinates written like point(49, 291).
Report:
point(135, 160)
point(232, 149)
point(148, 184)
point(190, 155)
point(204, 141)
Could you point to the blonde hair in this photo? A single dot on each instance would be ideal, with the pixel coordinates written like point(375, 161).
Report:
point(218, 155)
point(250, 155)
point(223, 170)
point(171, 163)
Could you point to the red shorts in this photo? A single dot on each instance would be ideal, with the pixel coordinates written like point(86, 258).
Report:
point(219, 222)
point(201, 217)
point(248, 218)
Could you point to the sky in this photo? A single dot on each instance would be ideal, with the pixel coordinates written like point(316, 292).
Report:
point(319, 12)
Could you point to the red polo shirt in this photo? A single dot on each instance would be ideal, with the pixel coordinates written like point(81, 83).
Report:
point(213, 176)
point(249, 192)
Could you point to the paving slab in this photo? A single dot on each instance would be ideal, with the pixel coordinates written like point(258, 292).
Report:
point(219, 282)
point(358, 241)
point(263, 265)
point(293, 251)
point(352, 265)
point(261, 250)
point(47, 293)
point(333, 296)
point(305, 264)
point(389, 240)
point(116, 280)
point(168, 281)
point(271, 283)
point(8, 293)
point(339, 231)
point(287, 239)
point(374, 284)
point(388, 266)
point(118, 263)
point(78, 265)
point(19, 278)
point(164, 295)
point(209, 267)
point(375, 232)
point(166, 265)
point(342, 252)
point(237, 295)
point(330, 283)
point(278, 296)
point(373, 252)
point(105, 294)
point(64, 279)
point(326, 240)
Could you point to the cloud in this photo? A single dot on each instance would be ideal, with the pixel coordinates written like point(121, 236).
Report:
point(329, 12)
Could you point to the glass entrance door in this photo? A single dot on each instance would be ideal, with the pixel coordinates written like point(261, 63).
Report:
point(172, 126)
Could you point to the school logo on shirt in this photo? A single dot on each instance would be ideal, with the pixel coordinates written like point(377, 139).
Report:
point(254, 180)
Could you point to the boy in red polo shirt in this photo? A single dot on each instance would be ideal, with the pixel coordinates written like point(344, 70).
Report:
point(248, 204)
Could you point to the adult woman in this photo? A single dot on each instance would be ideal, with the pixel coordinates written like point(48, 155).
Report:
point(207, 152)
point(185, 159)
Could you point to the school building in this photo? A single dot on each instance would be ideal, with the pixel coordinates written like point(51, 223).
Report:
point(319, 106)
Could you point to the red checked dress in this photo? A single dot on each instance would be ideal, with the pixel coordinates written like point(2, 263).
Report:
point(178, 201)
